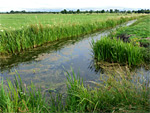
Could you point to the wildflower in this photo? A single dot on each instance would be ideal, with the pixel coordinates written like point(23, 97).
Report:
point(2, 30)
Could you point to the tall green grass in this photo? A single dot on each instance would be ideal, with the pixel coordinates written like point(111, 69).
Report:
point(16, 97)
point(114, 50)
point(119, 92)
point(36, 35)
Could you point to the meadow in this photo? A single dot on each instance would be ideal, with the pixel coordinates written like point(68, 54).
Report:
point(19, 21)
point(26, 31)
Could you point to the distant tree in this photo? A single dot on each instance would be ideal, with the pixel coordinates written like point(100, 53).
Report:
point(97, 11)
point(12, 11)
point(147, 11)
point(70, 12)
point(78, 10)
point(111, 11)
point(64, 11)
point(142, 11)
point(128, 11)
point(91, 11)
point(23, 11)
point(116, 11)
point(86, 11)
point(103, 11)
point(133, 11)
point(107, 11)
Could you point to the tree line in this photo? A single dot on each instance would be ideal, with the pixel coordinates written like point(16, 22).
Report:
point(147, 11)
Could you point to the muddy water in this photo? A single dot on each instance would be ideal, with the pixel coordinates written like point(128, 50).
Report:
point(46, 65)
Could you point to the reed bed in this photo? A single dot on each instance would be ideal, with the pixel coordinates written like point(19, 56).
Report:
point(15, 41)
point(115, 50)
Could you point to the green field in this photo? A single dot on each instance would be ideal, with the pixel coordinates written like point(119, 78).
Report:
point(17, 21)
point(21, 32)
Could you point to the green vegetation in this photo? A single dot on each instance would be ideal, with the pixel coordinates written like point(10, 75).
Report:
point(34, 35)
point(118, 92)
point(139, 32)
point(113, 93)
point(140, 29)
point(19, 98)
point(114, 50)
point(128, 46)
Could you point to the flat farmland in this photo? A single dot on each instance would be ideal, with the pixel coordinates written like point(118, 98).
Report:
point(18, 21)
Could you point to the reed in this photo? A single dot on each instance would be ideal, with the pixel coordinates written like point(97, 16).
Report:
point(115, 50)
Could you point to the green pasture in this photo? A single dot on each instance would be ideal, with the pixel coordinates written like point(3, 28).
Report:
point(18, 21)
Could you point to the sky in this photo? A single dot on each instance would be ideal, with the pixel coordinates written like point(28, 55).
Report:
point(7, 5)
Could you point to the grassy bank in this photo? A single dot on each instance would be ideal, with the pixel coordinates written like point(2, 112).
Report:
point(119, 92)
point(13, 41)
point(130, 45)
point(138, 33)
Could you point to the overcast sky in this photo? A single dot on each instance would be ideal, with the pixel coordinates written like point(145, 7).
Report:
point(7, 5)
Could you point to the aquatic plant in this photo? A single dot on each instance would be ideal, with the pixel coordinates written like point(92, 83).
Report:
point(115, 50)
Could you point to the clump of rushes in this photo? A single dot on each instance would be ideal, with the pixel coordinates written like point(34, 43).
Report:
point(115, 50)
point(36, 35)
point(117, 92)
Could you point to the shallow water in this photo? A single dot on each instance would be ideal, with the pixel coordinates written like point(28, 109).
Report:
point(46, 65)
